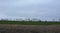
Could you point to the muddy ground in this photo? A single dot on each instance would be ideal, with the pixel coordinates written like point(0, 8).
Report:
point(6, 28)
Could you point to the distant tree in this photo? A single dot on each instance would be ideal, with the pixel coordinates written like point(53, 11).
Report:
point(39, 20)
point(28, 19)
point(4, 20)
point(45, 20)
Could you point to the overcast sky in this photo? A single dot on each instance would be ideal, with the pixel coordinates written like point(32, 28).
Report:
point(40, 9)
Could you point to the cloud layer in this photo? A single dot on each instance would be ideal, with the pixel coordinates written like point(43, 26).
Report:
point(40, 9)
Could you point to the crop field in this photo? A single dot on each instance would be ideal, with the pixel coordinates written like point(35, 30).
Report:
point(30, 22)
point(29, 27)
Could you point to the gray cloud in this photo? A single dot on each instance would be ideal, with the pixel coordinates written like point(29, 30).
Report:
point(30, 9)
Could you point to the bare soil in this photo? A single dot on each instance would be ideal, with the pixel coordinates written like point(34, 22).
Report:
point(7, 28)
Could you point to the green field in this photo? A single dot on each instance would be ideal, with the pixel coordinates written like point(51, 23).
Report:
point(30, 22)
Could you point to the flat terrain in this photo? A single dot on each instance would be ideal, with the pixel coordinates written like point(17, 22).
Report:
point(30, 22)
point(13, 28)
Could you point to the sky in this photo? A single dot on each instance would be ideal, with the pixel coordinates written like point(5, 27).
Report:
point(38, 9)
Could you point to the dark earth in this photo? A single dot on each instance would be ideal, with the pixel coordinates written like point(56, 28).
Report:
point(7, 28)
